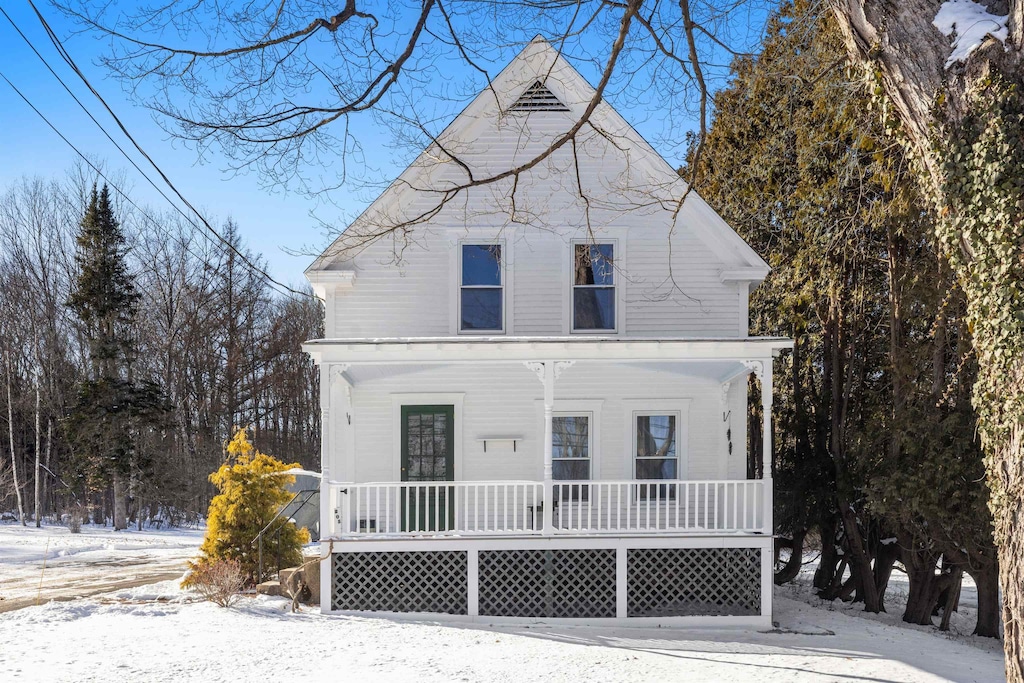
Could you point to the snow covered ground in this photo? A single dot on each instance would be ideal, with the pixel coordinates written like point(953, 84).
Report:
point(961, 623)
point(52, 563)
point(161, 633)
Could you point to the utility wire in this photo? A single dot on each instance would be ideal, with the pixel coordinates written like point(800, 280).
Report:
point(124, 195)
point(102, 129)
point(205, 223)
point(99, 125)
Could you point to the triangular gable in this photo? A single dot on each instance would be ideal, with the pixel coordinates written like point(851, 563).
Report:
point(539, 64)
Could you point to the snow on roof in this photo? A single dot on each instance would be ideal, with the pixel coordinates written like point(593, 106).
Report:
point(968, 23)
point(300, 471)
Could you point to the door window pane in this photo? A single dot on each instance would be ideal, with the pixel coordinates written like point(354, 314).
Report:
point(570, 455)
point(427, 448)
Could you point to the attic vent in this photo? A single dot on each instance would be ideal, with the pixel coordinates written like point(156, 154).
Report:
point(538, 98)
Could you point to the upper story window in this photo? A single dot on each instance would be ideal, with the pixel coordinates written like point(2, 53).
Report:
point(481, 290)
point(593, 287)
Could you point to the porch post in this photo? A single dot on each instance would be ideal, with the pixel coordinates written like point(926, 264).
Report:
point(766, 414)
point(549, 407)
point(326, 517)
point(762, 369)
point(766, 447)
point(547, 372)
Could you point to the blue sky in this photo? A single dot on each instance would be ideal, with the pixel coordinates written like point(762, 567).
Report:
point(270, 220)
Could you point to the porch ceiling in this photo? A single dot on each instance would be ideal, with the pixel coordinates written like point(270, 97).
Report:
point(449, 350)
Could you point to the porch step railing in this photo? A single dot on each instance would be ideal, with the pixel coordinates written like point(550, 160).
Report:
point(493, 508)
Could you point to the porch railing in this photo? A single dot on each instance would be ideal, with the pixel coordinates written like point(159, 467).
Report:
point(495, 508)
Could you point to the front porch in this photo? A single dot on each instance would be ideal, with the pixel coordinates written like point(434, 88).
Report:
point(425, 509)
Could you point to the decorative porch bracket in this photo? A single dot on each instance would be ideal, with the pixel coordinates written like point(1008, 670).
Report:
point(547, 372)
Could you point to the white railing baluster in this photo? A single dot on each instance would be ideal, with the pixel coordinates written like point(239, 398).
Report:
point(502, 508)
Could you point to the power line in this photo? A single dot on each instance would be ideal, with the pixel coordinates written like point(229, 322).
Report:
point(152, 220)
point(89, 114)
point(90, 163)
point(205, 223)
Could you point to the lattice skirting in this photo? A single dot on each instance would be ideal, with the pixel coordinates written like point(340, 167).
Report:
point(575, 583)
point(411, 581)
point(547, 583)
point(670, 582)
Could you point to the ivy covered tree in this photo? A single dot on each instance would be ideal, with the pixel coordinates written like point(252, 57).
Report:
point(952, 73)
point(111, 407)
point(876, 432)
point(251, 490)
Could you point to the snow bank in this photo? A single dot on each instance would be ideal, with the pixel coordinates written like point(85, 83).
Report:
point(20, 545)
point(967, 23)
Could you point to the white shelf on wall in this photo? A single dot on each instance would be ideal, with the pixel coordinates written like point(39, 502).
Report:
point(501, 439)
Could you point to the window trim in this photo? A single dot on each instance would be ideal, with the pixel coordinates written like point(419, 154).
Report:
point(680, 407)
point(590, 441)
point(571, 282)
point(637, 414)
point(572, 406)
point(503, 274)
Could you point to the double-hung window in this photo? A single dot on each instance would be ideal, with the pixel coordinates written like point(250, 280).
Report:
point(570, 454)
point(481, 290)
point(593, 287)
point(657, 455)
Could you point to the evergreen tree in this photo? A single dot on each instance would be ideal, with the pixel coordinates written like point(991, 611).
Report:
point(876, 430)
point(111, 406)
point(252, 489)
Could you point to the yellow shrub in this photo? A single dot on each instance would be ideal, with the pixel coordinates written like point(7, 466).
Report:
point(252, 490)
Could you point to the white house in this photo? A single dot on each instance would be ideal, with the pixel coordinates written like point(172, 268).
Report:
point(534, 391)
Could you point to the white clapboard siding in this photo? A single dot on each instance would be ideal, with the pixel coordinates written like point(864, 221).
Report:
point(606, 185)
point(506, 400)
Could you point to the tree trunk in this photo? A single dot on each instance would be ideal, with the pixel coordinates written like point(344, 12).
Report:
point(120, 503)
point(1010, 541)
point(986, 578)
point(829, 557)
point(14, 458)
point(860, 563)
point(897, 40)
point(885, 558)
point(925, 584)
point(952, 596)
point(47, 502)
point(38, 472)
point(796, 557)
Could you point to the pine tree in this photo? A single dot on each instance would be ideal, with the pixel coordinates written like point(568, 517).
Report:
point(252, 489)
point(110, 406)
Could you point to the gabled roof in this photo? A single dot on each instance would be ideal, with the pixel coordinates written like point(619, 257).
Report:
point(540, 79)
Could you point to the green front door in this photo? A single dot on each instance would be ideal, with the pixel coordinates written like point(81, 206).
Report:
point(428, 455)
